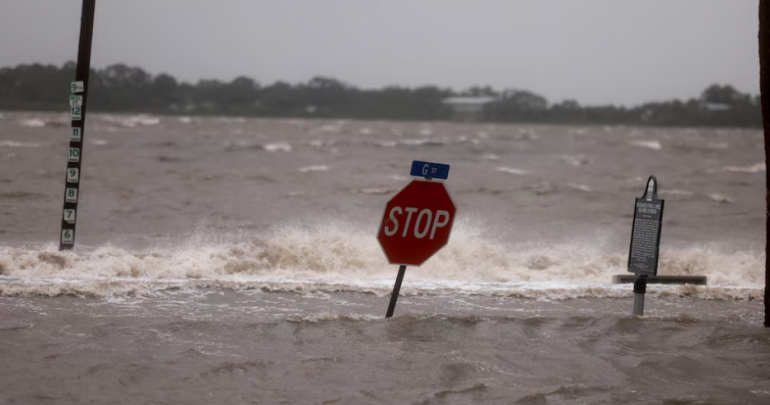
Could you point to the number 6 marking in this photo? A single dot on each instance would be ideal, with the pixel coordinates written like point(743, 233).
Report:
point(67, 237)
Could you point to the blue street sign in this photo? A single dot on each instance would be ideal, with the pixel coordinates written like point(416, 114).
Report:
point(427, 169)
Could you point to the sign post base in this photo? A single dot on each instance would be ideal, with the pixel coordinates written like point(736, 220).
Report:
point(640, 288)
point(396, 290)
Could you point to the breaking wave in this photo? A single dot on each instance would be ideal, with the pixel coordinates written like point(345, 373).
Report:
point(32, 123)
point(16, 144)
point(129, 121)
point(338, 256)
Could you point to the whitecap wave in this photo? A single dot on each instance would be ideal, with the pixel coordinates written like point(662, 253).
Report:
point(32, 123)
point(344, 257)
point(313, 168)
point(277, 147)
point(131, 121)
point(16, 144)
point(511, 170)
point(756, 168)
point(654, 145)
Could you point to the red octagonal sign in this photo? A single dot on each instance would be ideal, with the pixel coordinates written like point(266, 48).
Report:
point(416, 223)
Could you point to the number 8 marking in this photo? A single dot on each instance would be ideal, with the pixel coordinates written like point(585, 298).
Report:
point(72, 195)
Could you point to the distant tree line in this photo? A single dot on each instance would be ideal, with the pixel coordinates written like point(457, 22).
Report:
point(122, 88)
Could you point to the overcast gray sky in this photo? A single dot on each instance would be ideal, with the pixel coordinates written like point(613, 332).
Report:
point(595, 51)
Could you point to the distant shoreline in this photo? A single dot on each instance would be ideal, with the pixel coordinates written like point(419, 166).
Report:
point(131, 90)
point(64, 122)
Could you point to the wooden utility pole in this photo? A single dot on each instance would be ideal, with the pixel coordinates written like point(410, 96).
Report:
point(764, 88)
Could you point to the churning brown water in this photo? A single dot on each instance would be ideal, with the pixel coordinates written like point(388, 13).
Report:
point(226, 260)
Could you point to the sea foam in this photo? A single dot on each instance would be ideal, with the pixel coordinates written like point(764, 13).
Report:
point(337, 256)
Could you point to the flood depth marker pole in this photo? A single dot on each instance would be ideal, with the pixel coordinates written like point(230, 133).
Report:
point(764, 73)
point(78, 100)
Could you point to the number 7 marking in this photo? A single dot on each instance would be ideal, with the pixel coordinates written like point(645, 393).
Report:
point(69, 216)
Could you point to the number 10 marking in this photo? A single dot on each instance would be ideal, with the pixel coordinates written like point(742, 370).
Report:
point(74, 155)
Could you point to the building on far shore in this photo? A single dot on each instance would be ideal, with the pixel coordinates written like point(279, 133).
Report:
point(717, 106)
point(468, 108)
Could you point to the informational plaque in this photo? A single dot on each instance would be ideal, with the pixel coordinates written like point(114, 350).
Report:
point(645, 236)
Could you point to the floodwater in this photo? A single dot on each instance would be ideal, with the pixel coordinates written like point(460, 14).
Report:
point(229, 260)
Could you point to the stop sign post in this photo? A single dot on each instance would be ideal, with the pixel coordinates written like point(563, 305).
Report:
point(416, 222)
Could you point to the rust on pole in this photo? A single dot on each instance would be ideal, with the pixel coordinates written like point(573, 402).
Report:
point(764, 86)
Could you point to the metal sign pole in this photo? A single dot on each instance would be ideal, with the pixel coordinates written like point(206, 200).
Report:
point(640, 288)
point(78, 102)
point(396, 290)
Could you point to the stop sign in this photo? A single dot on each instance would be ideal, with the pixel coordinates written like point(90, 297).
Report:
point(416, 223)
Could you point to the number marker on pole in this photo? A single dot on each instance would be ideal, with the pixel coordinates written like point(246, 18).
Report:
point(74, 155)
point(72, 175)
point(67, 237)
point(75, 135)
point(69, 216)
point(71, 195)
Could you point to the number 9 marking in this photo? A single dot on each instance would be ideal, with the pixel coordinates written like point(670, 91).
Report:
point(72, 175)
